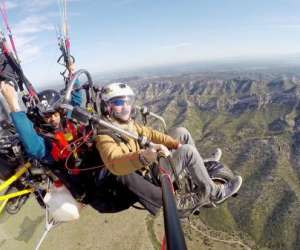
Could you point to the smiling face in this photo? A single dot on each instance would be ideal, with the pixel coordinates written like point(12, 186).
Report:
point(121, 107)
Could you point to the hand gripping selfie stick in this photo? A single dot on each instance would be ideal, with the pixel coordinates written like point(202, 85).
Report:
point(173, 230)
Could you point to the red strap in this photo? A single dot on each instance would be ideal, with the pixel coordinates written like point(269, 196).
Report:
point(68, 43)
point(164, 245)
point(72, 128)
point(60, 147)
point(55, 152)
point(60, 137)
point(168, 174)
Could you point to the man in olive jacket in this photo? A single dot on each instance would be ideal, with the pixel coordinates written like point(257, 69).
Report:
point(124, 158)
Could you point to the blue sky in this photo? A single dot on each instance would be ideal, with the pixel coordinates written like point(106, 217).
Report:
point(119, 34)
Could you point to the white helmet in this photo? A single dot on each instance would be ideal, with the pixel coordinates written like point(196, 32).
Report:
point(116, 89)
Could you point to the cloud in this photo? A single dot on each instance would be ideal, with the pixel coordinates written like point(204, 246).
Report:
point(22, 41)
point(33, 24)
point(27, 47)
point(30, 53)
point(11, 5)
point(38, 19)
point(26, 34)
point(38, 5)
point(176, 46)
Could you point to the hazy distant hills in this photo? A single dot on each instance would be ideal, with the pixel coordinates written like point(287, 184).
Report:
point(255, 118)
point(288, 64)
point(275, 64)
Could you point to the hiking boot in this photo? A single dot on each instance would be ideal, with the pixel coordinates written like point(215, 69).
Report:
point(215, 156)
point(229, 189)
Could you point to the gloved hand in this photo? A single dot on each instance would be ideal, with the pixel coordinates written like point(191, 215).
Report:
point(151, 154)
point(10, 95)
point(7, 72)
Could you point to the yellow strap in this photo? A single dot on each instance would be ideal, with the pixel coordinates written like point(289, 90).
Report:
point(3, 205)
point(16, 194)
point(90, 108)
point(69, 137)
point(16, 176)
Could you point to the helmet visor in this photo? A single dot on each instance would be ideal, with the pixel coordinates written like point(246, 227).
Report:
point(121, 101)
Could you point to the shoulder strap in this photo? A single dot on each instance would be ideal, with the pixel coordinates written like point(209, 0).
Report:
point(117, 137)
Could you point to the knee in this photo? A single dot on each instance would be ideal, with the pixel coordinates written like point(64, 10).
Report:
point(188, 149)
point(179, 132)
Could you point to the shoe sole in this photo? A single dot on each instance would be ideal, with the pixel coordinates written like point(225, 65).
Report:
point(234, 193)
point(214, 158)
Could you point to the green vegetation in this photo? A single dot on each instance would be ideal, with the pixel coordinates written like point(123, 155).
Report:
point(255, 124)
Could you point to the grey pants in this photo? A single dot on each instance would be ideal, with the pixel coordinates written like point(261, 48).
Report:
point(187, 156)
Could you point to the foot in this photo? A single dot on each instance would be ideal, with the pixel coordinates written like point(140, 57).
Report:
point(190, 204)
point(229, 189)
point(215, 156)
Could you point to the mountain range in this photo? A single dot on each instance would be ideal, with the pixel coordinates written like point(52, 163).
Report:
point(254, 117)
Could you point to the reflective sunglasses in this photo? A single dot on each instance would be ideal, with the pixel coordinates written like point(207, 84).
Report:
point(122, 101)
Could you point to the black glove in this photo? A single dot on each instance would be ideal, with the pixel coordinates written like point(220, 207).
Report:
point(7, 72)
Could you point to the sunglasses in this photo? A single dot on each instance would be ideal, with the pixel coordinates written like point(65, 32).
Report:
point(122, 101)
